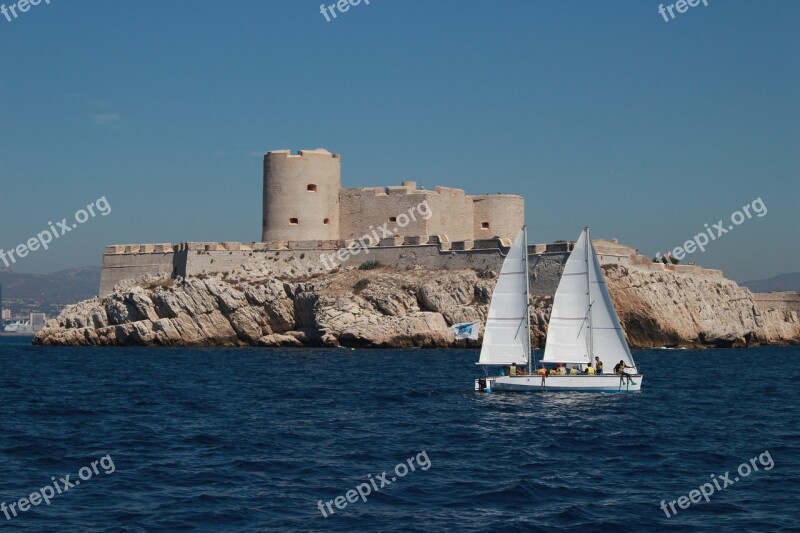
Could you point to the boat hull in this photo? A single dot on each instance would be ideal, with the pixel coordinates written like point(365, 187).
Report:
point(576, 383)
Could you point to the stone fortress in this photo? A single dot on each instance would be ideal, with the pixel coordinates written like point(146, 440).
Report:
point(308, 215)
point(304, 201)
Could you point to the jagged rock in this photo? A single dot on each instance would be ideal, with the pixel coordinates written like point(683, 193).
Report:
point(390, 296)
point(385, 308)
point(305, 307)
point(276, 339)
point(249, 324)
point(666, 309)
point(465, 313)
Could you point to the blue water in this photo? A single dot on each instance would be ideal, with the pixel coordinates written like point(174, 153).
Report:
point(252, 439)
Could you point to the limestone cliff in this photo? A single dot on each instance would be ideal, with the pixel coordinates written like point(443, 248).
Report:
point(389, 307)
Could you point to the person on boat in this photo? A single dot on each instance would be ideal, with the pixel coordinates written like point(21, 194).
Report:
point(620, 369)
point(589, 370)
point(513, 371)
point(598, 365)
point(574, 370)
point(542, 371)
point(561, 370)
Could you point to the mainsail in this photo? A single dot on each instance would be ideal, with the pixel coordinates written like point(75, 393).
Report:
point(506, 338)
point(583, 323)
point(608, 338)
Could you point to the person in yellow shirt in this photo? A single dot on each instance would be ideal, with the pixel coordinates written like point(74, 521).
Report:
point(589, 370)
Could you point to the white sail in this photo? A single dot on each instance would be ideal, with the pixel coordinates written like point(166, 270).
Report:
point(568, 329)
point(608, 338)
point(583, 323)
point(506, 338)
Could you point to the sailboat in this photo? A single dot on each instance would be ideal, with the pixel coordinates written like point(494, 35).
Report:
point(583, 327)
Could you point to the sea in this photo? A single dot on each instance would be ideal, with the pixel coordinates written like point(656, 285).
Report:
point(216, 439)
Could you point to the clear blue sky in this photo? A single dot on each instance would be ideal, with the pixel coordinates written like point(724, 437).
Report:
point(599, 113)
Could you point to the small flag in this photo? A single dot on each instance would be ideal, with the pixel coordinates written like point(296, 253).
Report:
point(467, 330)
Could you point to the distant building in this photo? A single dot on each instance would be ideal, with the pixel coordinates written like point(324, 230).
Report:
point(19, 326)
point(6, 314)
point(38, 321)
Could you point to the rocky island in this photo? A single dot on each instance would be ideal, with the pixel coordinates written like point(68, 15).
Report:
point(402, 306)
point(390, 266)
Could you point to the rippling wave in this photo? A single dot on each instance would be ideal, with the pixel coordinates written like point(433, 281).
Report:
point(253, 439)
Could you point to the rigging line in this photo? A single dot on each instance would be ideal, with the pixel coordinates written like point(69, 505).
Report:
point(584, 319)
point(519, 328)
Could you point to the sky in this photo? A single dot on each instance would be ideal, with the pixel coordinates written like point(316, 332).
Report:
point(598, 113)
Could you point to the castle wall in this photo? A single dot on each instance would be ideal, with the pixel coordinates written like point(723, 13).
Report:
point(310, 261)
point(784, 301)
point(546, 262)
point(545, 272)
point(497, 215)
point(362, 208)
point(448, 212)
point(452, 214)
point(122, 262)
point(198, 258)
point(301, 196)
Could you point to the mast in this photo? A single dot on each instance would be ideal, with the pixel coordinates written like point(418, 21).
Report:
point(589, 293)
point(527, 302)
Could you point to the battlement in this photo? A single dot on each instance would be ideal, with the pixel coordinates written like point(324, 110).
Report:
point(301, 154)
point(405, 188)
point(161, 248)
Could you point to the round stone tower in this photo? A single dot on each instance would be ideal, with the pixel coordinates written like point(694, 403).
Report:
point(497, 215)
point(301, 196)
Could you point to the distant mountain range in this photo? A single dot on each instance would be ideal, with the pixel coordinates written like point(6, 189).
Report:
point(781, 282)
point(48, 293)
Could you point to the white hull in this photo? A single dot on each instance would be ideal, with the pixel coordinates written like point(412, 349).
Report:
point(580, 383)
